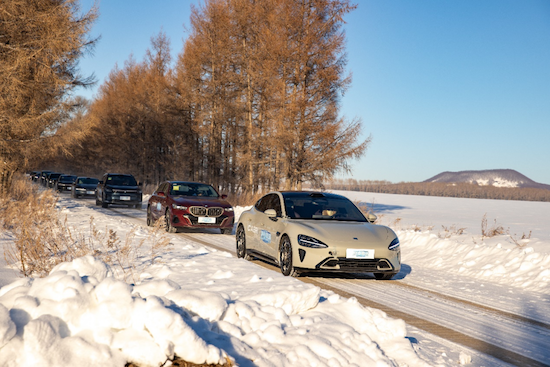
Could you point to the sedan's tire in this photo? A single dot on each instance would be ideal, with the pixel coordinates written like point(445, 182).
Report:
point(285, 258)
point(384, 276)
point(97, 201)
point(149, 219)
point(169, 227)
point(240, 238)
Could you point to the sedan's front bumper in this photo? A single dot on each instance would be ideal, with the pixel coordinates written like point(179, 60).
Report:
point(331, 260)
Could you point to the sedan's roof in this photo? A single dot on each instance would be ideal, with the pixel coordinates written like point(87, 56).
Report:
point(310, 193)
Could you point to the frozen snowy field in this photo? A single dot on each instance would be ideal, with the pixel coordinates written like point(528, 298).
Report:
point(207, 306)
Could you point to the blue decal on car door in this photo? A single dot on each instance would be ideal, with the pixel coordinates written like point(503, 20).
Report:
point(265, 236)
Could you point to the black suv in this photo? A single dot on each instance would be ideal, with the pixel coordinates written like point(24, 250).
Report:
point(118, 188)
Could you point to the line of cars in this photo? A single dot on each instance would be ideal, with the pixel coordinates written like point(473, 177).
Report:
point(179, 204)
point(300, 231)
point(78, 186)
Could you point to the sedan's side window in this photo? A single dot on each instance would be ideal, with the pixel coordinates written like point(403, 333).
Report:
point(261, 204)
point(273, 202)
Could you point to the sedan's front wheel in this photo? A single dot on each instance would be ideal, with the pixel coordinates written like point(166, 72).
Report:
point(169, 227)
point(241, 244)
point(285, 258)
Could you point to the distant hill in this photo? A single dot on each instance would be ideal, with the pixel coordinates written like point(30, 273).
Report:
point(496, 177)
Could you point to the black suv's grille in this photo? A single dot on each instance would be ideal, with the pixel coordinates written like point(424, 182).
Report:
point(200, 211)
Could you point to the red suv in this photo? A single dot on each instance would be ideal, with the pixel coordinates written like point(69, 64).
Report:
point(190, 205)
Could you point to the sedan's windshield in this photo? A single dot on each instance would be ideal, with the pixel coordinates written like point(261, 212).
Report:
point(67, 178)
point(320, 207)
point(88, 181)
point(192, 189)
point(121, 180)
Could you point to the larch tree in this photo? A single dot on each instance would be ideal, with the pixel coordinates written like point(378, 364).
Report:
point(41, 42)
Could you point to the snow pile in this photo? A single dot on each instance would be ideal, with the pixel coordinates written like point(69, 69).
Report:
point(494, 259)
point(81, 315)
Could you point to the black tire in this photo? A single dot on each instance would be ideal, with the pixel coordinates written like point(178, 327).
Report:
point(285, 258)
point(97, 201)
point(149, 219)
point(240, 239)
point(384, 276)
point(169, 227)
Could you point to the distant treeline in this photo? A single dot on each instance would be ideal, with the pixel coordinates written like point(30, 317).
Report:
point(458, 190)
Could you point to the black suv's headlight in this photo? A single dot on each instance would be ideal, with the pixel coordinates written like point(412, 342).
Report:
point(308, 241)
point(394, 245)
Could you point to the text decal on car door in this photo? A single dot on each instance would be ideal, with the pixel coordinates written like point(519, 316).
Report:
point(266, 236)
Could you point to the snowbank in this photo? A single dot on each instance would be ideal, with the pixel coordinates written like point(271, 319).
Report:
point(81, 315)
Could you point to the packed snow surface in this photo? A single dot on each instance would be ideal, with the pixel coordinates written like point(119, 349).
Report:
point(206, 306)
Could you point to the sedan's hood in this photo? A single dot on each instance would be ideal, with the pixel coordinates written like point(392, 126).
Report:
point(344, 232)
point(200, 201)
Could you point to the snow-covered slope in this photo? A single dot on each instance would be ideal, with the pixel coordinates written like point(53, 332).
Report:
point(496, 177)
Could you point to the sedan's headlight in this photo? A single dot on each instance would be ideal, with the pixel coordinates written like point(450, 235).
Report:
point(394, 245)
point(179, 207)
point(308, 241)
point(80, 189)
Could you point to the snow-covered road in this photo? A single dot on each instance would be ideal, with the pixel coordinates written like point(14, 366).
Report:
point(466, 299)
point(519, 335)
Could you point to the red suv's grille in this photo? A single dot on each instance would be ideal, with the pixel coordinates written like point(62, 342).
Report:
point(200, 211)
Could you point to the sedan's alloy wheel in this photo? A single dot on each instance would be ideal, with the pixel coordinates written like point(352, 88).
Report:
point(169, 227)
point(285, 258)
point(241, 244)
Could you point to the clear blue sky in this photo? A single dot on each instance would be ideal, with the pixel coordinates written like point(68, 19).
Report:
point(441, 85)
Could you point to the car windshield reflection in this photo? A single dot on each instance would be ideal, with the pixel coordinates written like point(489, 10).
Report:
point(305, 206)
point(191, 189)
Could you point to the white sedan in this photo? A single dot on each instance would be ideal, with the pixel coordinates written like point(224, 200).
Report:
point(316, 231)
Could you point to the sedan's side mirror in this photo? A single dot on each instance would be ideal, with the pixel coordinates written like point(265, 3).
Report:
point(100, 183)
point(271, 213)
point(371, 218)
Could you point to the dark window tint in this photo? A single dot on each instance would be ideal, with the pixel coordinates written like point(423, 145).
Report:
point(270, 201)
point(66, 178)
point(87, 181)
point(192, 189)
point(305, 206)
point(120, 180)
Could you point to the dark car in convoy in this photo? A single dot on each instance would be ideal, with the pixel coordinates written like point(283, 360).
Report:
point(84, 186)
point(190, 205)
point(65, 183)
point(118, 188)
point(52, 179)
point(43, 179)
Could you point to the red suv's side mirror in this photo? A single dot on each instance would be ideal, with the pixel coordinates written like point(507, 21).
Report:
point(160, 193)
point(224, 196)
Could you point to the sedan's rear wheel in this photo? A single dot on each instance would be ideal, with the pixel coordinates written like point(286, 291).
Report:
point(285, 258)
point(169, 227)
point(241, 244)
point(384, 276)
